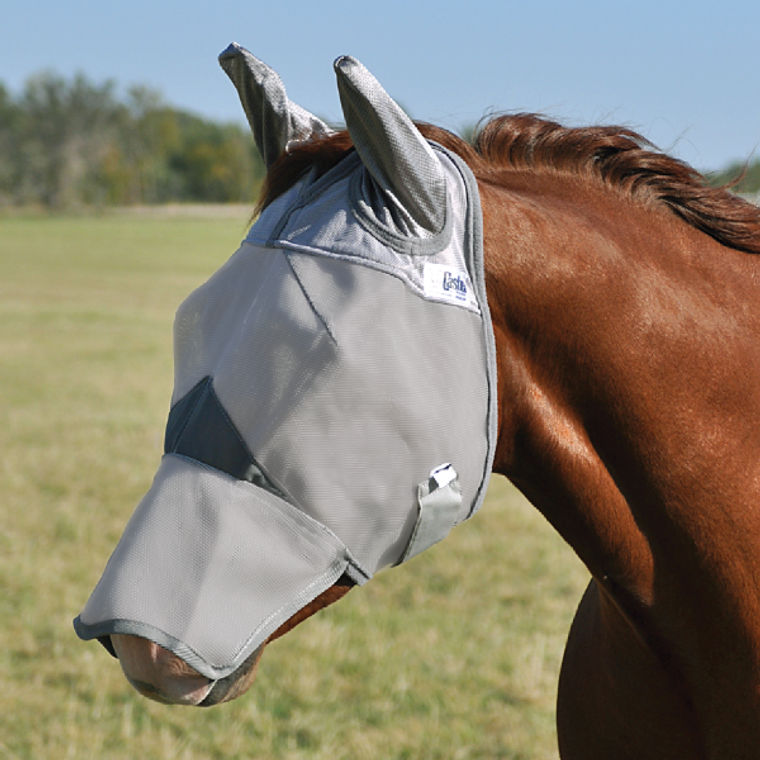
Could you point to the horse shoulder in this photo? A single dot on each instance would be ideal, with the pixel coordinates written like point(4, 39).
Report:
point(616, 698)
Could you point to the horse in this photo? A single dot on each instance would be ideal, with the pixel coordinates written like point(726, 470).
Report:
point(624, 298)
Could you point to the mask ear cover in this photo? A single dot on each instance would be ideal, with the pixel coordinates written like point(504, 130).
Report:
point(391, 148)
point(275, 121)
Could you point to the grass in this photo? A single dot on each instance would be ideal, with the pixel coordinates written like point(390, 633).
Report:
point(454, 655)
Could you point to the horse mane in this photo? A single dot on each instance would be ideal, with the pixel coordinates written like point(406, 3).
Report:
point(615, 156)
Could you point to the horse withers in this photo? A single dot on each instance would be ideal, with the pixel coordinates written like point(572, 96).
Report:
point(623, 301)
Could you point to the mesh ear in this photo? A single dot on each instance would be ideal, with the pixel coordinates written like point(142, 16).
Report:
point(275, 120)
point(392, 149)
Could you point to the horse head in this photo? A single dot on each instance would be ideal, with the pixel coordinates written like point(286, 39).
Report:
point(334, 401)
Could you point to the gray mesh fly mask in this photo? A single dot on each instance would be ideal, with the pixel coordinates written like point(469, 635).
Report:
point(334, 401)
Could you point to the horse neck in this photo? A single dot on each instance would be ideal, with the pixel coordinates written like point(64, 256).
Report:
point(623, 417)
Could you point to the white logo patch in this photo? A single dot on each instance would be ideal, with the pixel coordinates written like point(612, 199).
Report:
point(445, 283)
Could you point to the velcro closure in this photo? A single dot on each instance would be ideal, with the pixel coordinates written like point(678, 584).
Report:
point(439, 499)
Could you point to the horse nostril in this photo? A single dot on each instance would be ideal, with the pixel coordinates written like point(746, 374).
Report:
point(158, 674)
point(147, 690)
point(174, 692)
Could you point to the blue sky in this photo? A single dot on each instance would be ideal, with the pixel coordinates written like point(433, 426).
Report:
point(685, 74)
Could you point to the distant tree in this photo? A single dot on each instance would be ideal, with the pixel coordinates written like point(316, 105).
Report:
point(65, 130)
point(10, 115)
point(70, 142)
point(748, 175)
point(468, 133)
point(135, 167)
point(214, 162)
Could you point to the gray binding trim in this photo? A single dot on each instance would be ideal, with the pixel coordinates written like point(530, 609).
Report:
point(360, 191)
point(474, 246)
point(361, 208)
point(214, 671)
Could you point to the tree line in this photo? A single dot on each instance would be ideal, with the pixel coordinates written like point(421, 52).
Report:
point(66, 143)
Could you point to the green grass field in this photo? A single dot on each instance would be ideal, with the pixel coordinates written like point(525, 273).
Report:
point(455, 655)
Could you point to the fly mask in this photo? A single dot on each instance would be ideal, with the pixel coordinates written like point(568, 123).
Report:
point(334, 405)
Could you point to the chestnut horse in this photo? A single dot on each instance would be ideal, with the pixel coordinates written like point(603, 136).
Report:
point(625, 301)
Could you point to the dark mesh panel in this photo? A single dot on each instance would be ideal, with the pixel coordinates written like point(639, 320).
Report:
point(199, 428)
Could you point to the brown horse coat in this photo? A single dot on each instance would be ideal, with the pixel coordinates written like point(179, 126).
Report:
point(629, 367)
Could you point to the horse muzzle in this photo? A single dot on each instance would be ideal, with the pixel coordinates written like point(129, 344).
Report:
point(163, 677)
